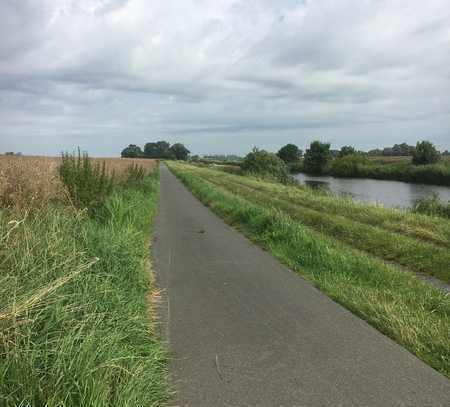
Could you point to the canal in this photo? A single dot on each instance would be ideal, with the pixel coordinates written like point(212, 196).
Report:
point(389, 193)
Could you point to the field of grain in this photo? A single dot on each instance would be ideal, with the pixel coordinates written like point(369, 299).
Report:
point(31, 180)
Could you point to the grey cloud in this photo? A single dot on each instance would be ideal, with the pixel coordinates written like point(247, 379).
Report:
point(120, 71)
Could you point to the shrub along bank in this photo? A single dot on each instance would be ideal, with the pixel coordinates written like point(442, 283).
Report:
point(359, 166)
point(396, 302)
point(436, 174)
point(74, 289)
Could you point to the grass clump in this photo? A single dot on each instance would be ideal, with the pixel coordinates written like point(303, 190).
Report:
point(134, 174)
point(88, 184)
point(397, 303)
point(74, 321)
point(432, 205)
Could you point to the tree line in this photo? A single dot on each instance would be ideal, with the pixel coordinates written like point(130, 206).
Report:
point(319, 155)
point(158, 149)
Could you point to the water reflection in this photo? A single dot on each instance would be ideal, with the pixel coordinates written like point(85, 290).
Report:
point(388, 193)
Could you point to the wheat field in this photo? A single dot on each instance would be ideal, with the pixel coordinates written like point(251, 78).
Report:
point(31, 180)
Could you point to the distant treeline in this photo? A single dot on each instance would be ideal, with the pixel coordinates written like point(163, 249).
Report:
point(425, 165)
point(158, 149)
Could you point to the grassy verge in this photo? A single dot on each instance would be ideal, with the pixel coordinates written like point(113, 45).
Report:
point(411, 312)
point(420, 243)
point(75, 328)
point(430, 229)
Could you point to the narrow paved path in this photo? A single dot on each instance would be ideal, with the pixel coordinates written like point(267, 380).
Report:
point(246, 331)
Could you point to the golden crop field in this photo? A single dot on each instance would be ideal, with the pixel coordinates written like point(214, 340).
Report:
point(34, 179)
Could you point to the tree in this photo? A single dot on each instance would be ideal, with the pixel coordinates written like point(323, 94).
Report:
point(317, 157)
point(290, 153)
point(180, 151)
point(261, 162)
point(160, 149)
point(346, 150)
point(425, 153)
point(132, 151)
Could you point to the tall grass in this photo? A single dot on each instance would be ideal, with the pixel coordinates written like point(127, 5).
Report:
point(87, 183)
point(33, 181)
point(432, 205)
point(400, 305)
point(74, 318)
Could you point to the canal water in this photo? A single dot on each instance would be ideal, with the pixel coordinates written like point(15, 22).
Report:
point(389, 193)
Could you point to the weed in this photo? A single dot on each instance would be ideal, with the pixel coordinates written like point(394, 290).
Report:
point(87, 183)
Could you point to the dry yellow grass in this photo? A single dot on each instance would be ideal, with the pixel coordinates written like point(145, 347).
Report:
point(26, 180)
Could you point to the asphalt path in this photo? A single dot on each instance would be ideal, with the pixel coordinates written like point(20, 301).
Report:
point(246, 331)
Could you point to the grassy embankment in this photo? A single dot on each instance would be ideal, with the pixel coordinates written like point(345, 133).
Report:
point(396, 302)
point(74, 294)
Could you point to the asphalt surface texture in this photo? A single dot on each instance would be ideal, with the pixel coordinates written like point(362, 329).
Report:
point(244, 330)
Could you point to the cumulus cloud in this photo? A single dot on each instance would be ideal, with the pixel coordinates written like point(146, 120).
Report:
point(223, 75)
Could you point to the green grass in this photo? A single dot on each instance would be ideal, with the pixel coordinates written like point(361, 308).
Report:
point(74, 312)
point(420, 243)
point(397, 303)
point(400, 221)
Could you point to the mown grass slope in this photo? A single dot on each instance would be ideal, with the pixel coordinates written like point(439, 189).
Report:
point(415, 241)
point(396, 302)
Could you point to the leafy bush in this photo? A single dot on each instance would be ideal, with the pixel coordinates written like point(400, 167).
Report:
point(432, 205)
point(348, 165)
point(346, 150)
point(263, 163)
point(88, 184)
point(425, 153)
point(295, 168)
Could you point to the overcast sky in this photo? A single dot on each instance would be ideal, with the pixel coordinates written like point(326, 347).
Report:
point(222, 76)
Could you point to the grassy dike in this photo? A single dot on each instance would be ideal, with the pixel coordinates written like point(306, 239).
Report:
point(411, 312)
point(418, 242)
point(75, 328)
